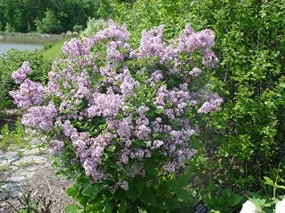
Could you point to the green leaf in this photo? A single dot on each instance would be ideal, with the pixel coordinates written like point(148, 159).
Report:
point(282, 85)
point(162, 206)
point(83, 200)
point(132, 194)
point(163, 189)
point(235, 200)
point(258, 202)
point(182, 193)
point(269, 182)
point(179, 182)
point(119, 194)
point(139, 184)
point(108, 208)
point(72, 191)
point(111, 148)
point(72, 208)
point(123, 206)
point(159, 111)
point(148, 197)
point(97, 207)
point(91, 190)
point(172, 203)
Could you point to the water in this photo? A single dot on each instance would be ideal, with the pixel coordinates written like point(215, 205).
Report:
point(22, 42)
point(5, 46)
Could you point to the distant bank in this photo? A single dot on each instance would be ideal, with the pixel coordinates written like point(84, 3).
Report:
point(28, 41)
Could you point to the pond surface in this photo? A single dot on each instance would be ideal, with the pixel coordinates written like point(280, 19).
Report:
point(5, 46)
point(22, 42)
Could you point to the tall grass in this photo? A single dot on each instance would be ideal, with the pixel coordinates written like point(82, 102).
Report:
point(54, 50)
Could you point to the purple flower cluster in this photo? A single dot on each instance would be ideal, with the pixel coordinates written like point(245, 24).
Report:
point(56, 146)
point(116, 116)
point(105, 105)
point(73, 48)
point(40, 117)
point(29, 94)
point(213, 103)
point(21, 74)
point(189, 41)
point(152, 44)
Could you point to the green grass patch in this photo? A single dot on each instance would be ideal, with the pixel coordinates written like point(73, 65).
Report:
point(53, 50)
point(4, 168)
point(13, 139)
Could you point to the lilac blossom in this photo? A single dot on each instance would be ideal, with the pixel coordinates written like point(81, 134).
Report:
point(56, 146)
point(195, 72)
point(213, 103)
point(29, 94)
point(73, 48)
point(105, 105)
point(152, 45)
point(124, 185)
point(40, 117)
point(21, 74)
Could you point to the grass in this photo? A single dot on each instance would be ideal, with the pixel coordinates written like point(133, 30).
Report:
point(20, 154)
point(55, 49)
point(4, 168)
point(26, 164)
point(13, 139)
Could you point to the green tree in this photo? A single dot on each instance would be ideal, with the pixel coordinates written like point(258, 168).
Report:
point(49, 24)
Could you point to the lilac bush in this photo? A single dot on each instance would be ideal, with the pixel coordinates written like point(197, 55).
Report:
point(119, 117)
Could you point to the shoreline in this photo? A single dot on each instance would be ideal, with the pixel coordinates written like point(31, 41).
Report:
point(39, 37)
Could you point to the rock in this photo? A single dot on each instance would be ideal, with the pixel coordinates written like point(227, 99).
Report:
point(31, 159)
point(22, 174)
point(32, 168)
point(33, 151)
point(68, 33)
point(8, 157)
point(13, 168)
point(9, 190)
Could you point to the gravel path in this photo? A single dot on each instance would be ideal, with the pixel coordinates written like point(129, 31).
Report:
point(24, 170)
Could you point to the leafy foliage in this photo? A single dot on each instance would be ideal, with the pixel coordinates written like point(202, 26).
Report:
point(49, 24)
point(21, 15)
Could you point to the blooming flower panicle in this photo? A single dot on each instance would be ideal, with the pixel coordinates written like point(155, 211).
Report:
point(213, 103)
point(21, 74)
point(40, 117)
point(29, 94)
